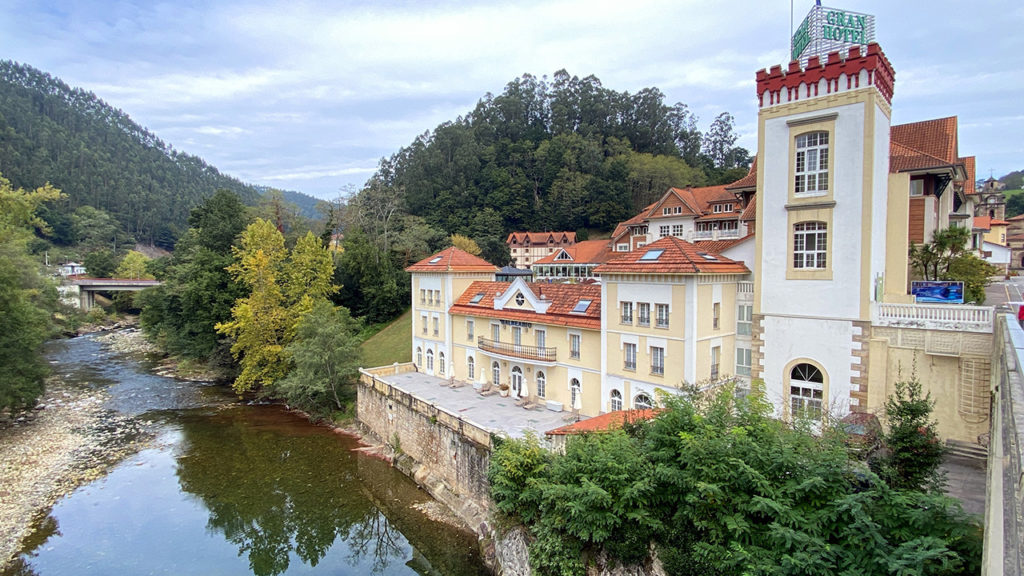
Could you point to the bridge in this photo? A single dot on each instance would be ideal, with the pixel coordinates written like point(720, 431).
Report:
point(81, 292)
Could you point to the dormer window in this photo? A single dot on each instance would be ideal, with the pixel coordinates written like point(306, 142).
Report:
point(666, 211)
point(581, 306)
point(677, 210)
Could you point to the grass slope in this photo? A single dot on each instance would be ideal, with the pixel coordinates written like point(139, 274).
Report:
point(391, 344)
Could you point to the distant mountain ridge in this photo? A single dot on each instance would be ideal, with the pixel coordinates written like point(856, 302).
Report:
point(100, 157)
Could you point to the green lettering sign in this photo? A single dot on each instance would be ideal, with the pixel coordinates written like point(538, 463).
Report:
point(801, 38)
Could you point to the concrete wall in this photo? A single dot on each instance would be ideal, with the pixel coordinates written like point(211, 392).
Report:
point(449, 456)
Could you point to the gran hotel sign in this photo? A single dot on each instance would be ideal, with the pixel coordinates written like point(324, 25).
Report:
point(826, 30)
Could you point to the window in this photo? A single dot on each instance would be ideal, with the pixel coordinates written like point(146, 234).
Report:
point(677, 229)
point(806, 391)
point(716, 358)
point(436, 322)
point(657, 360)
point(627, 313)
point(581, 306)
point(424, 323)
point(440, 363)
point(496, 374)
point(517, 335)
point(717, 209)
point(574, 393)
point(435, 259)
point(470, 327)
point(744, 318)
point(419, 356)
point(661, 315)
point(666, 211)
point(643, 314)
point(642, 402)
point(616, 403)
point(470, 368)
point(622, 247)
point(430, 297)
point(651, 255)
point(430, 360)
point(743, 361)
point(629, 354)
point(917, 187)
point(677, 210)
point(477, 298)
point(810, 245)
point(811, 163)
point(423, 297)
point(663, 230)
point(520, 299)
point(542, 339)
point(542, 384)
point(574, 346)
point(437, 297)
point(716, 315)
point(496, 332)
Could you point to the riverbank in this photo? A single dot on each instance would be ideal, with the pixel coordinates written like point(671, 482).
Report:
point(68, 440)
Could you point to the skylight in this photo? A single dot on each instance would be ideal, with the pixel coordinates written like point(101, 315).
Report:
point(707, 256)
point(477, 298)
point(581, 306)
point(651, 255)
point(435, 259)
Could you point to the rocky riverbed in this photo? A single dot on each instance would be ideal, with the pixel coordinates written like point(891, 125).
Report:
point(70, 438)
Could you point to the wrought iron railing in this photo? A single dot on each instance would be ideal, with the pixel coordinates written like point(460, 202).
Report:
point(541, 353)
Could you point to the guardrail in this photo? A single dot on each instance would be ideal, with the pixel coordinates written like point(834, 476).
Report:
point(1004, 503)
point(543, 354)
point(958, 317)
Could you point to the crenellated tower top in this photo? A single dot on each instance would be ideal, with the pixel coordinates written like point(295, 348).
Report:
point(859, 69)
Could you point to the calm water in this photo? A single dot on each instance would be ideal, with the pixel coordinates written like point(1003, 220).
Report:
point(230, 489)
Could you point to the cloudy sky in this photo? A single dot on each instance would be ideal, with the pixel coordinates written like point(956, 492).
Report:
point(308, 96)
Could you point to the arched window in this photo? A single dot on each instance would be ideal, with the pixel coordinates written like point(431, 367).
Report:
point(541, 384)
point(616, 400)
point(470, 368)
point(419, 356)
point(806, 391)
point(811, 170)
point(642, 401)
point(575, 394)
point(496, 373)
point(440, 363)
point(517, 381)
point(810, 245)
point(430, 360)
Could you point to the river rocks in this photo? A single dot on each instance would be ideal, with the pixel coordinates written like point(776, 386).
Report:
point(47, 453)
point(511, 555)
point(128, 341)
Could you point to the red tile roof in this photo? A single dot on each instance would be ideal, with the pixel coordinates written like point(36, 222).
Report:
point(623, 227)
point(563, 299)
point(677, 257)
point(677, 197)
point(920, 145)
point(982, 223)
point(748, 181)
point(750, 212)
point(452, 260)
point(540, 237)
point(585, 252)
point(605, 422)
point(969, 186)
point(717, 246)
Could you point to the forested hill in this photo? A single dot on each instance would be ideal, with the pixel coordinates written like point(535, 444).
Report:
point(96, 154)
point(559, 153)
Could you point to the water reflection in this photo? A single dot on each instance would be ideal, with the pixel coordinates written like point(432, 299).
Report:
point(234, 489)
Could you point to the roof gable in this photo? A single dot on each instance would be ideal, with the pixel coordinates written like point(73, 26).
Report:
point(671, 255)
point(926, 144)
point(452, 260)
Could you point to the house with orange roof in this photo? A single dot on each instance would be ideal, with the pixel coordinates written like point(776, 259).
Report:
point(528, 247)
point(576, 262)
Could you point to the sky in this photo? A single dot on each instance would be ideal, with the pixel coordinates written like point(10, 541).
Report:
point(309, 96)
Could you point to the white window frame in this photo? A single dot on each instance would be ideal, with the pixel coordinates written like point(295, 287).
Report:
point(542, 384)
point(744, 319)
point(716, 362)
point(743, 361)
point(661, 312)
point(663, 230)
point(716, 315)
point(574, 346)
point(629, 356)
point(643, 401)
point(470, 329)
point(542, 338)
point(812, 160)
point(430, 360)
point(615, 402)
point(805, 256)
point(643, 314)
point(627, 313)
point(806, 393)
point(470, 368)
point(440, 363)
point(657, 360)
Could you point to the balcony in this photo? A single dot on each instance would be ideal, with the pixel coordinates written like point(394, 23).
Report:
point(716, 234)
point(955, 317)
point(538, 353)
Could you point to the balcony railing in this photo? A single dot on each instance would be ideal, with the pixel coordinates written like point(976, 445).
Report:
point(716, 234)
point(518, 350)
point(958, 317)
point(745, 287)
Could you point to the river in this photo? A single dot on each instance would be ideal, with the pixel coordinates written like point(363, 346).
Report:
point(225, 488)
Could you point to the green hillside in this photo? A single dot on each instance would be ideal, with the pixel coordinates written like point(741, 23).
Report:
point(390, 345)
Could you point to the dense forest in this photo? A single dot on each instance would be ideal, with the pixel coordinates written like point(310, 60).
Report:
point(565, 153)
point(99, 157)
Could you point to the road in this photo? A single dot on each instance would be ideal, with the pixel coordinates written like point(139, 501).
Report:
point(1003, 292)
